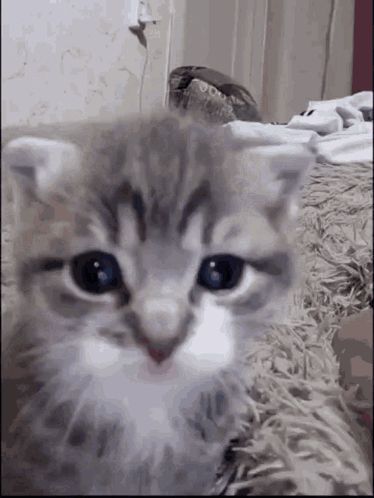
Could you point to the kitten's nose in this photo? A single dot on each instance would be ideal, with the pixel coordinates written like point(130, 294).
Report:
point(160, 353)
point(162, 327)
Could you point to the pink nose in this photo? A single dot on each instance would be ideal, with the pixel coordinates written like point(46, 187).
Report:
point(159, 354)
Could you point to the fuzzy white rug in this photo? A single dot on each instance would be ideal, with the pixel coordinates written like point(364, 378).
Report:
point(302, 437)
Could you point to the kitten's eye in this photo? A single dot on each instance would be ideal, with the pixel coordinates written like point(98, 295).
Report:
point(219, 272)
point(96, 272)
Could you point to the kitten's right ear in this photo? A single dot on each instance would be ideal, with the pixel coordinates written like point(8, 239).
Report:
point(39, 164)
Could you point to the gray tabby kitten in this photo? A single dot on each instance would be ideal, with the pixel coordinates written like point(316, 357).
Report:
point(148, 254)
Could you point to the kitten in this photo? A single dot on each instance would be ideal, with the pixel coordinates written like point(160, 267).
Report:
point(148, 254)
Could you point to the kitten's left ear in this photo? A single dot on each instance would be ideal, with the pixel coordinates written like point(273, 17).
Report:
point(288, 165)
point(38, 165)
point(284, 169)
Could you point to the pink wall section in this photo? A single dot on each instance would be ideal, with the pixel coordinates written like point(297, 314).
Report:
point(362, 78)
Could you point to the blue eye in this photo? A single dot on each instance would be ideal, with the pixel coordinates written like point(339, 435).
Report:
point(96, 272)
point(222, 271)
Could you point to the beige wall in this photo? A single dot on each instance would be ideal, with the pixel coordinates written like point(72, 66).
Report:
point(276, 48)
point(73, 59)
point(227, 35)
point(300, 54)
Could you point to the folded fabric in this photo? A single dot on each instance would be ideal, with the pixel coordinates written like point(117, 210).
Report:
point(320, 121)
point(337, 128)
point(268, 133)
point(351, 145)
point(347, 107)
point(329, 116)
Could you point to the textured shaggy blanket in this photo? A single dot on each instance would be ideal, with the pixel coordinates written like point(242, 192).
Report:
point(302, 436)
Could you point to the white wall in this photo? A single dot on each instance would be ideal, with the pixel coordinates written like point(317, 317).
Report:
point(67, 60)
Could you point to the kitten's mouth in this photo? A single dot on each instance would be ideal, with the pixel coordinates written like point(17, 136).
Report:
point(159, 368)
point(159, 355)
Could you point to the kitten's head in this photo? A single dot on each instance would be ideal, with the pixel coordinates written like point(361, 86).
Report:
point(153, 244)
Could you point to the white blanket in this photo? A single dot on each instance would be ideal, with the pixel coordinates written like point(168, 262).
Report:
point(337, 128)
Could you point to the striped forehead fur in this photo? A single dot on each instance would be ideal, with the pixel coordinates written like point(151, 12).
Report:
point(162, 170)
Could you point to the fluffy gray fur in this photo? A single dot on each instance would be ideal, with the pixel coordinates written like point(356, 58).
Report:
point(160, 193)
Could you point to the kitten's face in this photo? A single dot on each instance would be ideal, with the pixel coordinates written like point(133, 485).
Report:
point(151, 251)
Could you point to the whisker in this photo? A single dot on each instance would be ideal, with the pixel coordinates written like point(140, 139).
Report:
point(81, 400)
point(34, 399)
point(42, 350)
point(21, 444)
point(95, 427)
